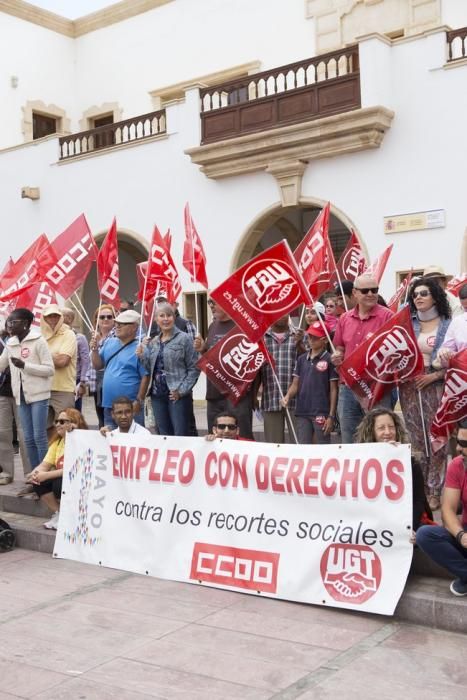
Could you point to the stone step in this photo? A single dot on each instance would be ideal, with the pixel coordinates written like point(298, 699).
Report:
point(426, 600)
point(10, 503)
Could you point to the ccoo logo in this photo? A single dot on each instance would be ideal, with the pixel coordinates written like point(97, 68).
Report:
point(392, 352)
point(270, 286)
point(240, 358)
point(351, 573)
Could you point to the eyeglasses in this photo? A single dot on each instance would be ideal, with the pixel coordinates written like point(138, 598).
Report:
point(226, 426)
point(421, 293)
point(105, 317)
point(461, 443)
point(14, 321)
point(62, 421)
point(365, 290)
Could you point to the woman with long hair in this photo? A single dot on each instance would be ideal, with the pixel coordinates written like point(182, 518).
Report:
point(104, 317)
point(383, 425)
point(420, 397)
point(46, 478)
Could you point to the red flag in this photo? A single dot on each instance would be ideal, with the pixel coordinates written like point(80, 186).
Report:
point(388, 357)
point(107, 268)
point(160, 271)
point(35, 299)
point(352, 261)
point(233, 363)
point(28, 270)
point(455, 285)
point(378, 266)
point(168, 240)
point(76, 251)
point(194, 259)
point(263, 290)
point(314, 255)
point(453, 406)
point(395, 301)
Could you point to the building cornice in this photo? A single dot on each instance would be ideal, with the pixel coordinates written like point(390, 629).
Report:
point(89, 23)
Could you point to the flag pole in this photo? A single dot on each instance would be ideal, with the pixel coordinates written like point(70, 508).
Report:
point(86, 321)
point(287, 412)
point(340, 287)
point(194, 273)
point(153, 310)
point(423, 422)
point(83, 309)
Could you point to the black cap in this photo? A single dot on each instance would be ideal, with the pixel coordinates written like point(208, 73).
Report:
point(347, 288)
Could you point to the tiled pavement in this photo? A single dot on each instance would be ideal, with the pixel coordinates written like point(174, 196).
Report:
point(73, 631)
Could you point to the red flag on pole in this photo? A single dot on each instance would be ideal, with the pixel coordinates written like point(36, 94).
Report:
point(35, 298)
point(453, 406)
point(352, 261)
point(108, 278)
point(168, 240)
point(388, 357)
point(263, 290)
point(233, 363)
point(194, 259)
point(378, 266)
point(314, 255)
point(456, 283)
point(76, 251)
point(395, 301)
point(28, 270)
point(159, 270)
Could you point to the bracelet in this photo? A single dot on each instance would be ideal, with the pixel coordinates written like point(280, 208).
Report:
point(459, 536)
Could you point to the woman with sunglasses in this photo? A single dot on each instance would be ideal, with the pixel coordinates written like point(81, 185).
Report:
point(420, 397)
point(46, 478)
point(104, 317)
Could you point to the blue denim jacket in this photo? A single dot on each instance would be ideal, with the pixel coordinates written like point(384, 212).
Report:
point(442, 328)
point(180, 359)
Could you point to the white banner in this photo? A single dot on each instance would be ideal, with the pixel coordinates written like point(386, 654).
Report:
point(321, 524)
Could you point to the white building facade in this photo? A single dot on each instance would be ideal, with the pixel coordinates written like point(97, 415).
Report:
point(370, 116)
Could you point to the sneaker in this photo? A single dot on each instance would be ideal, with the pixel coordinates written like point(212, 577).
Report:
point(5, 479)
point(458, 587)
point(52, 524)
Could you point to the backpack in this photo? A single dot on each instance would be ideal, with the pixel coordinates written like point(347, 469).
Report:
point(7, 537)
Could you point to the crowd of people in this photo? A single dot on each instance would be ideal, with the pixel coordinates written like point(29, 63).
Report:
point(46, 372)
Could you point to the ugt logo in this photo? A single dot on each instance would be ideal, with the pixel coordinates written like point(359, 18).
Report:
point(455, 393)
point(392, 352)
point(353, 263)
point(351, 573)
point(270, 286)
point(240, 358)
point(229, 566)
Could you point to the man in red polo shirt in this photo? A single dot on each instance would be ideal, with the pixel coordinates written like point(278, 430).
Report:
point(354, 327)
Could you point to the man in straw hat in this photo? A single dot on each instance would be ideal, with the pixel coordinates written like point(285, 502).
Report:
point(437, 273)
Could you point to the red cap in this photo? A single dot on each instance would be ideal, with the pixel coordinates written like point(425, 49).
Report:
point(316, 329)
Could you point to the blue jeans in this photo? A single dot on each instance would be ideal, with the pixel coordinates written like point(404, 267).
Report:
point(442, 547)
point(351, 413)
point(307, 427)
point(172, 417)
point(108, 420)
point(33, 417)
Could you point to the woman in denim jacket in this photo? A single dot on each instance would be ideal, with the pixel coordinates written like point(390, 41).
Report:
point(420, 397)
point(171, 359)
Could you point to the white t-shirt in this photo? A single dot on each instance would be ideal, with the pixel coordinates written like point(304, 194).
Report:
point(134, 428)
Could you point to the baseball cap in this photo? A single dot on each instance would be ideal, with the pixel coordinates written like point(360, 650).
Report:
point(316, 329)
point(128, 316)
point(319, 308)
point(51, 309)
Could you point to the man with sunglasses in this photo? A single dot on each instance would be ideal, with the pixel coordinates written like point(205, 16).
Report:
point(447, 545)
point(353, 328)
point(225, 426)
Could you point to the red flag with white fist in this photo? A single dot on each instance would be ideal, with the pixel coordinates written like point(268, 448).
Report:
point(352, 261)
point(395, 301)
point(453, 405)
point(233, 363)
point(388, 357)
point(262, 291)
point(456, 283)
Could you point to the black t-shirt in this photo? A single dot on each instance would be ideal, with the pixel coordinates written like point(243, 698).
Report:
point(314, 378)
point(216, 331)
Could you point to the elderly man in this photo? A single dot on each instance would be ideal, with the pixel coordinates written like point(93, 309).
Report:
point(123, 371)
point(62, 345)
point(353, 328)
point(447, 545)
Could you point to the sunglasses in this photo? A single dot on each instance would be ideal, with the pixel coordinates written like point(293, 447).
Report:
point(105, 317)
point(365, 290)
point(62, 421)
point(421, 293)
point(461, 443)
point(225, 426)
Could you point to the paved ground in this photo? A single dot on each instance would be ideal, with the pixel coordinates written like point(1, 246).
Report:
point(72, 631)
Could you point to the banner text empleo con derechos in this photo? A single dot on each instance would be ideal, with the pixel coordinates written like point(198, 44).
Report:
point(322, 524)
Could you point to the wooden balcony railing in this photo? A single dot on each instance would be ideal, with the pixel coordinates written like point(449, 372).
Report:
point(457, 44)
point(129, 130)
point(317, 87)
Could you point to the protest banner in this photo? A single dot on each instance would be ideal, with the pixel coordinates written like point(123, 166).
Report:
point(321, 524)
